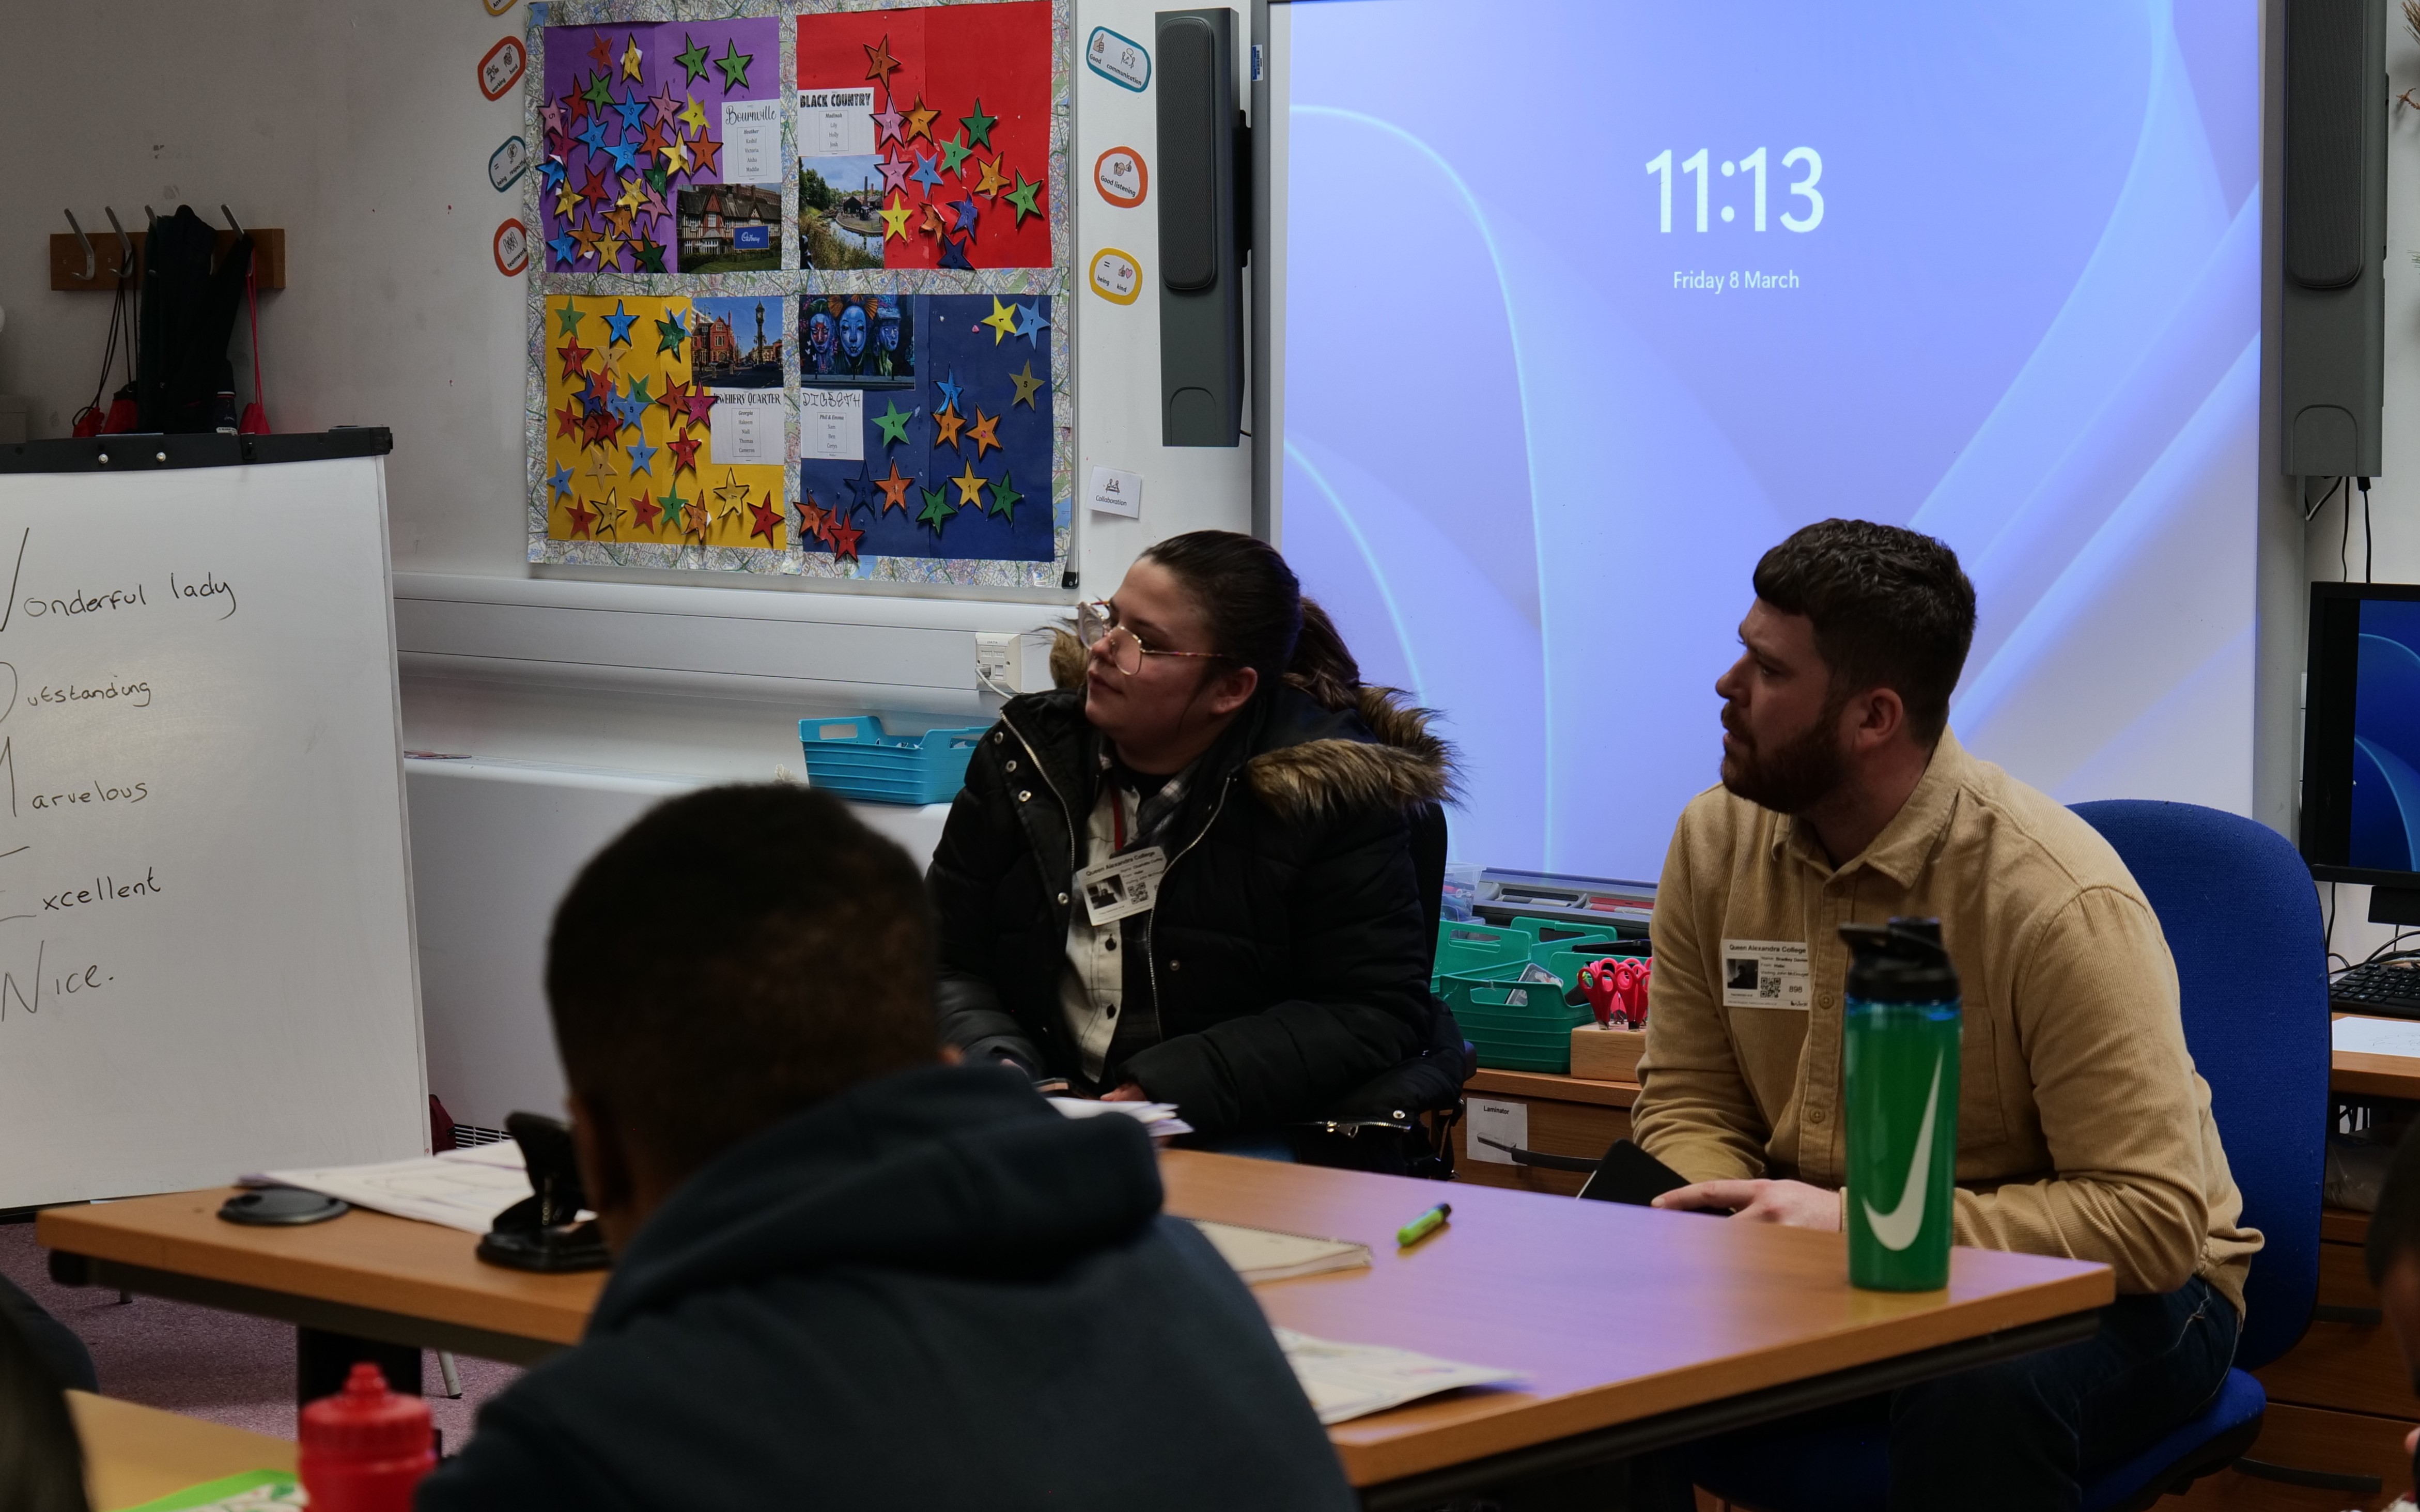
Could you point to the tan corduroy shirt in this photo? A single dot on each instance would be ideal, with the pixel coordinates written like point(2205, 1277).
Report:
point(2083, 1129)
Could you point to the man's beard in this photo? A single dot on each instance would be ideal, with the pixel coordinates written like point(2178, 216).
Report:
point(1794, 777)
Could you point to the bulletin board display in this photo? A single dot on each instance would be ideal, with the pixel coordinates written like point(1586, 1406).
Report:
point(798, 291)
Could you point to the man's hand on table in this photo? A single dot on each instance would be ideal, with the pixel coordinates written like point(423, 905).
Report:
point(1130, 1092)
point(1791, 1204)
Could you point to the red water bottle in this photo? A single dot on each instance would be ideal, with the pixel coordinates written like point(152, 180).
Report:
point(364, 1448)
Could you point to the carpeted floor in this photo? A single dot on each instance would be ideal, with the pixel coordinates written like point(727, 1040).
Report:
point(223, 1367)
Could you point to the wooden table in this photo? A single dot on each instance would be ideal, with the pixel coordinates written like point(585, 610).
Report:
point(1634, 1329)
point(2372, 1076)
point(132, 1454)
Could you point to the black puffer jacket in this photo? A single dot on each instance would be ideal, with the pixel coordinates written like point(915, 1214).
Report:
point(1286, 957)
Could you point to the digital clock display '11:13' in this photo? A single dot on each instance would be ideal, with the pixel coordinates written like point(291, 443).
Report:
point(1805, 158)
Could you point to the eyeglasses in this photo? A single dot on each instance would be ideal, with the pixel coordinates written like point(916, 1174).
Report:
point(1097, 625)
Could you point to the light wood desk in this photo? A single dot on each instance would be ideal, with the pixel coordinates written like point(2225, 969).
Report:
point(132, 1454)
point(2372, 1076)
point(1634, 1328)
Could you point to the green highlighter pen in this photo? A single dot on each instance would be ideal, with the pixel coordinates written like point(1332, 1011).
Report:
point(1423, 1226)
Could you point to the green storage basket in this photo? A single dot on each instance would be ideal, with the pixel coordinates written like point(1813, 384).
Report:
point(1472, 944)
point(1514, 1025)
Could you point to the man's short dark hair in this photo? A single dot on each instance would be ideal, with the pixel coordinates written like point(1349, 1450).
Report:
point(2395, 1228)
point(736, 955)
point(1892, 608)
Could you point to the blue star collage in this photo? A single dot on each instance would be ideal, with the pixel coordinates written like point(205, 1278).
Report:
point(926, 426)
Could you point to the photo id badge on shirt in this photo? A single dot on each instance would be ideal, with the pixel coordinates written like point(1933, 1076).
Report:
point(1765, 973)
point(1129, 884)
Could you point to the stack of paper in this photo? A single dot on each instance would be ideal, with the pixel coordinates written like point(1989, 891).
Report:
point(1349, 1381)
point(1260, 1254)
point(2377, 1037)
point(462, 1189)
point(1158, 1118)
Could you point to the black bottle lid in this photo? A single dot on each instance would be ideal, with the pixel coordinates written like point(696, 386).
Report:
point(1900, 962)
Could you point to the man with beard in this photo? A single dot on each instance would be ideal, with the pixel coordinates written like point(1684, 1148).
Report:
point(2083, 1129)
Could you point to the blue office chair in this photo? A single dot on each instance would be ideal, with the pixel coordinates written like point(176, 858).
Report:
point(2243, 922)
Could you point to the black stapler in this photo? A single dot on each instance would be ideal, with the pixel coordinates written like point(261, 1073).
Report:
point(543, 1232)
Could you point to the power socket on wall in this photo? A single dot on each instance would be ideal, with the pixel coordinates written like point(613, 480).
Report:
point(999, 662)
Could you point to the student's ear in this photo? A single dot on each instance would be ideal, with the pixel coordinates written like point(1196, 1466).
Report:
point(1875, 718)
point(605, 1170)
point(1231, 689)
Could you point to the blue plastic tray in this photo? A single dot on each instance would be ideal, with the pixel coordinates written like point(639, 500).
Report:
point(853, 757)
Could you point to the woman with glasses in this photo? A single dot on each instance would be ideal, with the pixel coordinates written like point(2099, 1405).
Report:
point(1185, 875)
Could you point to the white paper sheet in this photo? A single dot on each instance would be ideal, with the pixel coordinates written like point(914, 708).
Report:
point(2378, 1037)
point(1349, 1381)
point(746, 426)
point(831, 425)
point(751, 141)
point(461, 1189)
point(836, 123)
point(1160, 1118)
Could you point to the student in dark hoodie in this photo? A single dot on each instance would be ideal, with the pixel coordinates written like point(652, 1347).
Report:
point(1215, 732)
point(847, 1274)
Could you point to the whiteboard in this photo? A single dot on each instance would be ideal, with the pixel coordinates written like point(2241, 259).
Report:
point(206, 950)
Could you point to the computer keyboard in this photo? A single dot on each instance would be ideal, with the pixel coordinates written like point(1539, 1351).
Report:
point(2391, 988)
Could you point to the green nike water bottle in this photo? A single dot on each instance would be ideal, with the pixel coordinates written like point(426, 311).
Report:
point(1901, 1026)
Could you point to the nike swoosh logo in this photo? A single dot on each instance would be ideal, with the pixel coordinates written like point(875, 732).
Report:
point(1897, 1229)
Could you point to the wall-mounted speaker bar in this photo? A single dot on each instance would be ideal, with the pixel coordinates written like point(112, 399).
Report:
point(1204, 228)
point(2332, 305)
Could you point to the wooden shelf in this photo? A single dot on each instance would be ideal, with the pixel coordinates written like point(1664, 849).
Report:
point(67, 258)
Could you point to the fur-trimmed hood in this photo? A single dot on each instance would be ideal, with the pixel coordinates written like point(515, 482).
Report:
point(1311, 760)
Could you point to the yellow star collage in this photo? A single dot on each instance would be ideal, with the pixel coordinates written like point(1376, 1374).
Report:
point(630, 452)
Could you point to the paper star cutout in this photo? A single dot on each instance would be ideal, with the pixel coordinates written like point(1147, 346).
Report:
point(1031, 322)
point(1023, 196)
point(654, 204)
point(1002, 320)
point(768, 519)
point(734, 64)
point(684, 450)
point(950, 388)
point(953, 252)
point(991, 182)
point(575, 103)
point(575, 357)
point(894, 489)
point(609, 514)
point(625, 155)
point(566, 251)
point(567, 423)
point(894, 219)
point(672, 504)
point(693, 59)
point(731, 498)
point(551, 174)
point(567, 201)
point(645, 511)
point(618, 326)
point(953, 152)
point(651, 141)
point(583, 520)
point(978, 125)
point(886, 125)
point(861, 490)
point(633, 112)
point(937, 511)
point(985, 433)
point(609, 251)
point(814, 519)
point(924, 173)
point(642, 458)
point(597, 191)
point(694, 117)
point(1027, 386)
point(646, 256)
point(599, 390)
point(632, 59)
point(592, 136)
point(970, 487)
point(630, 409)
point(674, 398)
point(843, 537)
point(599, 93)
point(632, 196)
point(967, 211)
point(675, 155)
point(932, 221)
point(670, 334)
point(599, 428)
point(639, 392)
point(920, 120)
point(600, 52)
point(560, 479)
point(620, 221)
point(664, 102)
point(701, 406)
point(946, 422)
point(552, 113)
point(879, 61)
point(894, 172)
point(893, 422)
point(704, 150)
point(1004, 499)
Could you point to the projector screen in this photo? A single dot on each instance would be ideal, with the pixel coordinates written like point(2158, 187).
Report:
point(1586, 303)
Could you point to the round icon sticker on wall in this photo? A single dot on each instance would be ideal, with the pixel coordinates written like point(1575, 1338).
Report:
point(511, 248)
point(1116, 276)
point(1121, 176)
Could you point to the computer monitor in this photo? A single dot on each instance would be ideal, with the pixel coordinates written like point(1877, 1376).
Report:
point(2360, 744)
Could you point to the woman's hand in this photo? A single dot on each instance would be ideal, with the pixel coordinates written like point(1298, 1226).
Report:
point(1129, 1092)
